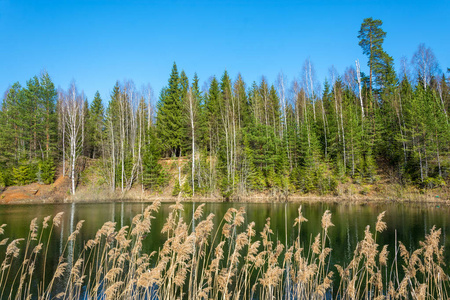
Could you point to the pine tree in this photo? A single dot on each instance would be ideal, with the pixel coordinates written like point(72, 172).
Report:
point(371, 38)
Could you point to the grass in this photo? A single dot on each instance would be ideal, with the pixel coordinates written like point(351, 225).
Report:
point(232, 262)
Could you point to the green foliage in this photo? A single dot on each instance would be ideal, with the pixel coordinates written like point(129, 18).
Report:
point(431, 182)
point(6, 177)
point(154, 177)
point(212, 115)
point(176, 189)
point(47, 170)
point(24, 173)
point(265, 155)
point(371, 38)
point(365, 190)
point(95, 127)
point(28, 127)
point(169, 120)
point(186, 189)
point(2, 179)
point(256, 138)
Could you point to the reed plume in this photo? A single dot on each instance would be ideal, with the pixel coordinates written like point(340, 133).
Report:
point(227, 260)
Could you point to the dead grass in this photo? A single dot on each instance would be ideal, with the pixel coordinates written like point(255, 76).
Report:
point(234, 262)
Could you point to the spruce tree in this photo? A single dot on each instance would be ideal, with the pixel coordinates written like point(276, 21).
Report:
point(273, 110)
point(31, 116)
point(95, 126)
point(212, 110)
point(154, 176)
point(243, 110)
point(48, 97)
point(184, 88)
point(169, 119)
point(201, 118)
point(11, 127)
point(111, 134)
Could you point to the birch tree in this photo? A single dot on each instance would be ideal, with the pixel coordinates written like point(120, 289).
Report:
point(62, 126)
point(192, 115)
point(308, 82)
point(358, 74)
point(425, 64)
point(73, 110)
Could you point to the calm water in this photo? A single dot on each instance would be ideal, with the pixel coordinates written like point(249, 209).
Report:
point(409, 223)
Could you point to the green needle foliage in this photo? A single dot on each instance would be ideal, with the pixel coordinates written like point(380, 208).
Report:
point(230, 138)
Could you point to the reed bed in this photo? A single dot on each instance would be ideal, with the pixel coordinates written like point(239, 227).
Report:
point(233, 261)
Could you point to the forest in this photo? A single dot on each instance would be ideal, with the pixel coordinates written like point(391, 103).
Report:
point(240, 138)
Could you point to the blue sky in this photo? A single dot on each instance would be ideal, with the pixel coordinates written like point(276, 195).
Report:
point(99, 42)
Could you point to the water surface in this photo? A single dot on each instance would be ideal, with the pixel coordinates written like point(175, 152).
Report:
point(408, 223)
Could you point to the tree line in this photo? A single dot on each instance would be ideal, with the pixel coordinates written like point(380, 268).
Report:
point(283, 137)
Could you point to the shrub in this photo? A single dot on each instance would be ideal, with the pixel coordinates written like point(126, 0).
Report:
point(24, 173)
point(47, 171)
point(176, 189)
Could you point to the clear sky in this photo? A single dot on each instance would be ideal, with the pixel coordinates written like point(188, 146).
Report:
point(99, 42)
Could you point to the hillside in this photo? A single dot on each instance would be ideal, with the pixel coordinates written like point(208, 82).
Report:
point(92, 188)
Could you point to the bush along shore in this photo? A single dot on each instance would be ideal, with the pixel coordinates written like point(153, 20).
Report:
point(205, 258)
point(91, 189)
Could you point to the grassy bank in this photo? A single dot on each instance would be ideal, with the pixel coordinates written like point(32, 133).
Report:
point(58, 192)
point(197, 261)
point(93, 188)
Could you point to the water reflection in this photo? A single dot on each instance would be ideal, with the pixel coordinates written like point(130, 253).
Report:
point(406, 223)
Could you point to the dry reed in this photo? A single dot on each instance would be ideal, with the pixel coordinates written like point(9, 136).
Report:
point(196, 262)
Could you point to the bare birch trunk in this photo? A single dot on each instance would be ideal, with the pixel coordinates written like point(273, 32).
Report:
point(358, 74)
point(191, 115)
point(73, 109)
point(113, 156)
point(343, 135)
point(310, 85)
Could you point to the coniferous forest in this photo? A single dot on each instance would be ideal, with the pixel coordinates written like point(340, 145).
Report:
point(236, 137)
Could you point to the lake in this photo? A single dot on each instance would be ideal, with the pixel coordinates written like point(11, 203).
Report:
point(408, 223)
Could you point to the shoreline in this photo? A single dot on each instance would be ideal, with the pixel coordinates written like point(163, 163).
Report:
point(59, 193)
point(424, 200)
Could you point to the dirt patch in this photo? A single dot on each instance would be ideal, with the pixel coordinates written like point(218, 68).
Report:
point(14, 195)
point(36, 192)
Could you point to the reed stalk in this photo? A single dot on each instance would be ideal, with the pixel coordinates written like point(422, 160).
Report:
point(195, 262)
